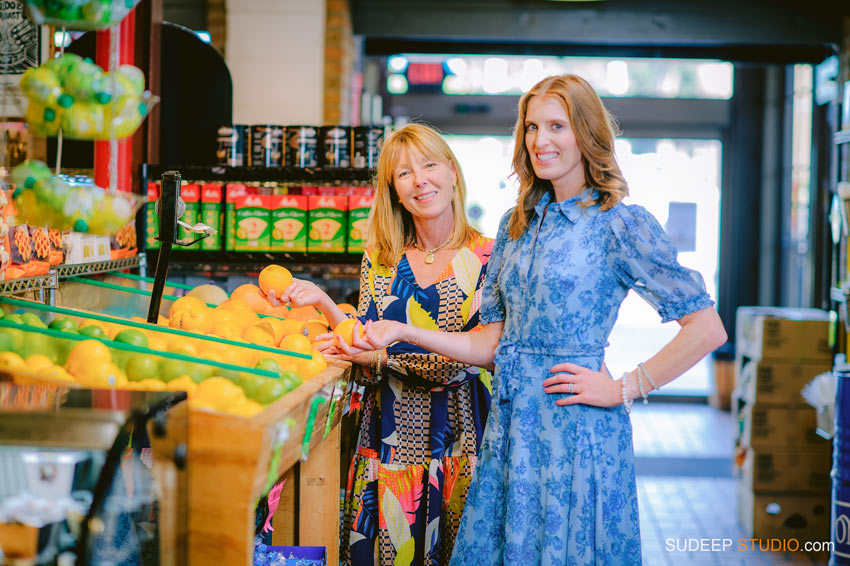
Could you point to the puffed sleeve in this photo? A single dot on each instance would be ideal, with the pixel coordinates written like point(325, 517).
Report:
point(492, 304)
point(643, 258)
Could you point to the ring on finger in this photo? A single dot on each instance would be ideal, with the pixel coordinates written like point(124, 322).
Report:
point(571, 388)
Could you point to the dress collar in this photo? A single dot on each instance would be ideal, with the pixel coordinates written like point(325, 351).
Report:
point(570, 208)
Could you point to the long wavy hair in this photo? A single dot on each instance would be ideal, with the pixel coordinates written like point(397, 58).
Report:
point(594, 129)
point(391, 227)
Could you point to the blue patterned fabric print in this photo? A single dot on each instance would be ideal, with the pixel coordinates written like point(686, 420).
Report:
point(556, 485)
point(422, 422)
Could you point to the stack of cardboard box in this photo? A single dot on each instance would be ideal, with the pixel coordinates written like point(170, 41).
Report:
point(782, 463)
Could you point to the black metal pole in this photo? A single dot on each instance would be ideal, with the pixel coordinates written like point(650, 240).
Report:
point(169, 212)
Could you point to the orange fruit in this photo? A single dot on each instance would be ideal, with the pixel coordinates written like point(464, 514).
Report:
point(280, 312)
point(222, 316)
point(261, 334)
point(277, 325)
point(12, 361)
point(231, 304)
point(313, 328)
point(219, 392)
point(183, 346)
point(150, 385)
point(228, 330)
point(304, 314)
point(347, 308)
point(297, 343)
point(292, 326)
point(311, 368)
point(187, 302)
point(276, 278)
point(345, 330)
point(252, 295)
point(193, 320)
point(85, 353)
point(245, 408)
point(182, 383)
point(243, 318)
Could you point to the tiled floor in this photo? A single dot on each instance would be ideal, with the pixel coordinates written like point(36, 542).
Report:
point(686, 488)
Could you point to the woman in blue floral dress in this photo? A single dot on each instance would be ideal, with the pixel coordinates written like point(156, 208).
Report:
point(555, 482)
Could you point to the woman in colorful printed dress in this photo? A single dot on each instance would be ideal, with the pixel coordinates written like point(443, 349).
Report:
point(423, 414)
point(555, 482)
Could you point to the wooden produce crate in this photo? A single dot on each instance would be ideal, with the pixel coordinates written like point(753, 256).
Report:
point(228, 464)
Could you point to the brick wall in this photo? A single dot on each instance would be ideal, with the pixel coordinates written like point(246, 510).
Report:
point(276, 55)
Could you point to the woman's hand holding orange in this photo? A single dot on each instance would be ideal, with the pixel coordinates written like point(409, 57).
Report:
point(301, 293)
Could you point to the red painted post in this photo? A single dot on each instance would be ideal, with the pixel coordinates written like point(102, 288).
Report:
point(101, 148)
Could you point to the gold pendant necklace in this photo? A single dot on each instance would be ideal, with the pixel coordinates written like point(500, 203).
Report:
point(429, 254)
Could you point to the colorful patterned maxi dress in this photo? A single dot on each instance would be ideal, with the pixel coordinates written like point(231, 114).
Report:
point(555, 486)
point(422, 423)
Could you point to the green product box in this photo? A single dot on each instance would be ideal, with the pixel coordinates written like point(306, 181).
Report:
point(289, 223)
point(253, 226)
point(358, 221)
point(232, 192)
point(211, 215)
point(328, 221)
point(191, 195)
point(151, 218)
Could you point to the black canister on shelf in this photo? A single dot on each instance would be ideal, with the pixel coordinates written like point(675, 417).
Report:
point(335, 146)
point(367, 146)
point(267, 145)
point(232, 145)
point(302, 147)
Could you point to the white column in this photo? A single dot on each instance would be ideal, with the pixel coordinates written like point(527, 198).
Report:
point(276, 52)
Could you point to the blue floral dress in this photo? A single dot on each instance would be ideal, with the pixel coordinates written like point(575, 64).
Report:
point(556, 485)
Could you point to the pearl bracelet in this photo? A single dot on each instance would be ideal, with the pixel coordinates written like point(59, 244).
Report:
point(626, 403)
point(640, 387)
point(642, 369)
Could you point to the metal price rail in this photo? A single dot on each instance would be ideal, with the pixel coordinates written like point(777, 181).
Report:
point(50, 281)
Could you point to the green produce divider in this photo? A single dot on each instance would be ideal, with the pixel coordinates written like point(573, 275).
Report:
point(130, 347)
point(142, 292)
point(144, 326)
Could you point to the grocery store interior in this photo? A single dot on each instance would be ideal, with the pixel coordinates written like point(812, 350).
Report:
point(165, 163)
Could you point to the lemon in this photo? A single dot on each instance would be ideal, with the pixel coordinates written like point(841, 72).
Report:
point(38, 362)
point(219, 392)
point(11, 360)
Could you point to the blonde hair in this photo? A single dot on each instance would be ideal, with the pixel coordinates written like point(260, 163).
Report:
point(594, 129)
point(391, 227)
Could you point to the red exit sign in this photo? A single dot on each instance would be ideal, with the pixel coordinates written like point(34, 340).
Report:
point(425, 74)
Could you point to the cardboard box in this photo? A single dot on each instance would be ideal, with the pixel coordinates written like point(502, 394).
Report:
point(786, 471)
point(289, 216)
point(253, 226)
point(776, 427)
point(358, 221)
point(328, 221)
point(211, 214)
point(772, 382)
point(191, 195)
point(151, 218)
point(780, 333)
point(784, 516)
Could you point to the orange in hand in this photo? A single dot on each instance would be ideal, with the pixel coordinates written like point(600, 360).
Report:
point(345, 330)
point(276, 278)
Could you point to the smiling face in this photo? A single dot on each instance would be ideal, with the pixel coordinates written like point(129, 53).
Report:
point(552, 148)
point(424, 186)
